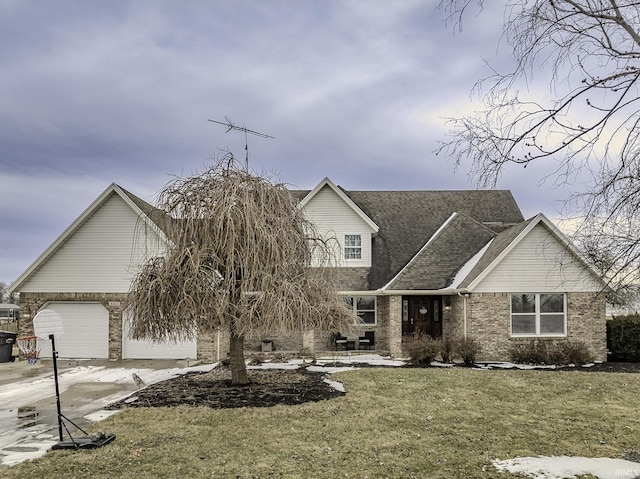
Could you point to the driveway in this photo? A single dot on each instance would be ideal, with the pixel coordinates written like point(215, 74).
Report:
point(28, 416)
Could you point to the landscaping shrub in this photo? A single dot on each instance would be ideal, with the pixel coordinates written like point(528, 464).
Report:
point(574, 352)
point(623, 337)
point(560, 353)
point(422, 348)
point(529, 352)
point(467, 349)
point(448, 349)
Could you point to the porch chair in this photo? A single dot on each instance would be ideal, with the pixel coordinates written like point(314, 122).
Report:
point(339, 341)
point(367, 341)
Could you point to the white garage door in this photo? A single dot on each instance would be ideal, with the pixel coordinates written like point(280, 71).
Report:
point(86, 331)
point(142, 349)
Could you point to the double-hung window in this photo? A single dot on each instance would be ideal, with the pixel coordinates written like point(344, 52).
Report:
point(364, 307)
point(538, 314)
point(352, 246)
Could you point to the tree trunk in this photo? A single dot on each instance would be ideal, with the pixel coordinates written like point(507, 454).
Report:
point(237, 364)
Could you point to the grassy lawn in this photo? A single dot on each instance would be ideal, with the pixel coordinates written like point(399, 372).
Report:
point(393, 423)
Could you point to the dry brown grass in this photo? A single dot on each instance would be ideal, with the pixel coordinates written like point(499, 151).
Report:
point(393, 423)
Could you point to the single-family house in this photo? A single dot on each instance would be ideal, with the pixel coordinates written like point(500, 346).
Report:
point(445, 263)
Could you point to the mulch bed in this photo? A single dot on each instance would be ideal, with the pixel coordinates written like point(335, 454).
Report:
point(270, 387)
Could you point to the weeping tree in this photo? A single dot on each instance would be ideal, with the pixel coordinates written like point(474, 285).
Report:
point(585, 126)
point(240, 257)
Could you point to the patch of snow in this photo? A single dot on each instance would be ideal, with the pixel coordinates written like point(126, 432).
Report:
point(508, 365)
point(330, 369)
point(100, 415)
point(338, 386)
point(438, 364)
point(372, 359)
point(26, 448)
point(289, 365)
point(562, 467)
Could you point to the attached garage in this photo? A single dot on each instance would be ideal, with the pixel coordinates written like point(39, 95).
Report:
point(142, 349)
point(86, 331)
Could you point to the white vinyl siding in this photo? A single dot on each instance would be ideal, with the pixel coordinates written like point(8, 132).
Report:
point(539, 263)
point(86, 331)
point(146, 349)
point(101, 255)
point(333, 218)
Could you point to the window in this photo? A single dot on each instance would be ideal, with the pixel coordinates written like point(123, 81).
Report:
point(364, 307)
point(538, 314)
point(352, 246)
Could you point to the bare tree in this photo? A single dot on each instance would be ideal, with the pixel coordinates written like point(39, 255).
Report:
point(586, 125)
point(241, 257)
point(5, 295)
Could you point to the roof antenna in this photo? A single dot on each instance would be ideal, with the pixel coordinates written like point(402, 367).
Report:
point(230, 126)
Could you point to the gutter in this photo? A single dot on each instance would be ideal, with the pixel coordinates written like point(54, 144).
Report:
point(418, 292)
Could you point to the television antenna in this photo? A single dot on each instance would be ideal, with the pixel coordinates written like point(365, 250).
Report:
point(232, 127)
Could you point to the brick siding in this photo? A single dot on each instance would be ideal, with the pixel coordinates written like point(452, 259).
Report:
point(488, 321)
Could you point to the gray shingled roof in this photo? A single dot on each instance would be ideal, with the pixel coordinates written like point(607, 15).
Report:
point(408, 219)
point(436, 265)
point(154, 214)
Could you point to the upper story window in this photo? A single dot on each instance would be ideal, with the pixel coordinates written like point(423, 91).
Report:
point(352, 246)
point(538, 314)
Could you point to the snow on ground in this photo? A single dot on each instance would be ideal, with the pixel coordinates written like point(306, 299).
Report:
point(372, 359)
point(29, 443)
point(13, 396)
point(567, 467)
point(508, 365)
point(18, 443)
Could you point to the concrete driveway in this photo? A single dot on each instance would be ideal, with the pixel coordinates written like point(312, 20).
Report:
point(28, 416)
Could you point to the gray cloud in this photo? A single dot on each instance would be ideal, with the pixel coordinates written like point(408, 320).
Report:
point(94, 92)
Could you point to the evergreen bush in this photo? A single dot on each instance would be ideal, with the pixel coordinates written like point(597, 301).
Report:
point(623, 337)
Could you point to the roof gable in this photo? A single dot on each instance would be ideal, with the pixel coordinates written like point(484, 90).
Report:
point(340, 193)
point(508, 241)
point(132, 201)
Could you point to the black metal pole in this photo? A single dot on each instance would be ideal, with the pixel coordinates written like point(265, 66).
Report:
point(54, 355)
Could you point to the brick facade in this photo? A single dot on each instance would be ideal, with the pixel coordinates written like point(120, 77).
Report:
point(489, 318)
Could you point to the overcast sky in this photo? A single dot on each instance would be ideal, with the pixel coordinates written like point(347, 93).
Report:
point(95, 92)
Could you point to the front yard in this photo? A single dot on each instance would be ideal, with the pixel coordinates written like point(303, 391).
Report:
point(392, 423)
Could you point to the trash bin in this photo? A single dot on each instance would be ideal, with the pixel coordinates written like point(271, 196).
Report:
point(267, 346)
point(7, 340)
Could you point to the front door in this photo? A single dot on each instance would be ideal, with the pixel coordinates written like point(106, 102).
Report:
point(424, 316)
